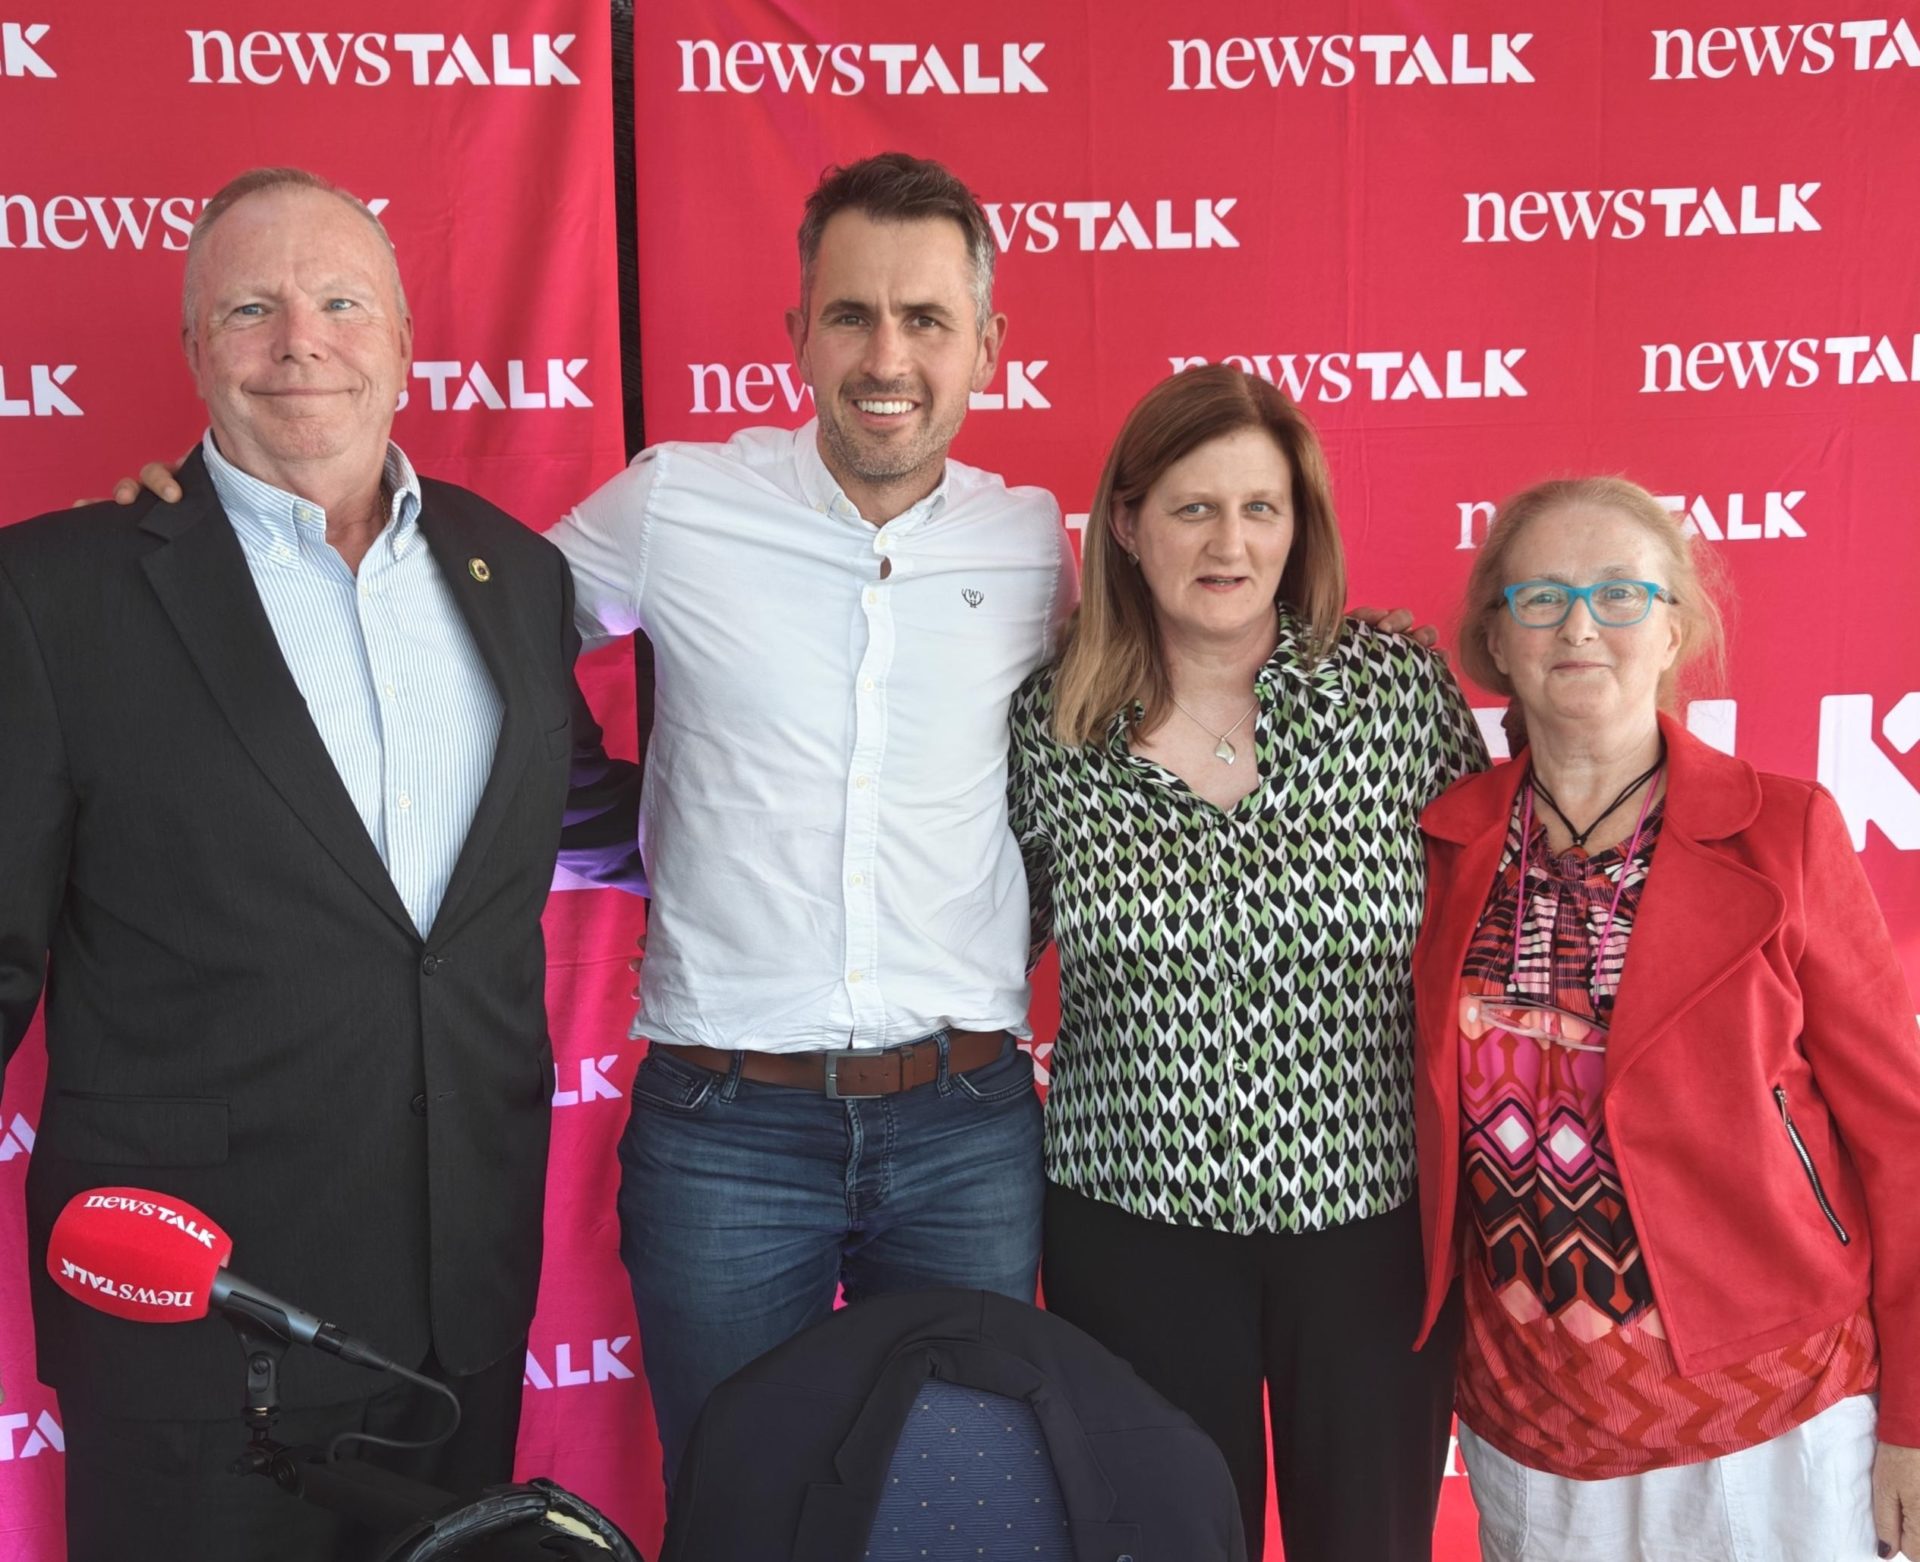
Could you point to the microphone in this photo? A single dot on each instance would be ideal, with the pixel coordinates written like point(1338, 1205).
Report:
point(151, 1258)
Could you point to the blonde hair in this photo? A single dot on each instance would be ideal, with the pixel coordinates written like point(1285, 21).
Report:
point(1112, 655)
point(1694, 578)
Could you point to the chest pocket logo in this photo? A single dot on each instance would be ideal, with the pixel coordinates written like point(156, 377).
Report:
point(971, 597)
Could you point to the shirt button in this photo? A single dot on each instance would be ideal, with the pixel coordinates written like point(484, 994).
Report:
point(868, 685)
point(853, 977)
point(418, 1105)
point(391, 690)
point(872, 597)
point(860, 783)
point(429, 964)
point(405, 800)
point(857, 880)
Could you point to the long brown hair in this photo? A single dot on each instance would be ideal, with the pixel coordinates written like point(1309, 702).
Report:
point(1112, 656)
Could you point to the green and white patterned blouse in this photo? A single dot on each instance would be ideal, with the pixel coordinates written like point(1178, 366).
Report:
point(1236, 1032)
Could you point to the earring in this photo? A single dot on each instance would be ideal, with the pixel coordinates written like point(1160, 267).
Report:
point(1132, 557)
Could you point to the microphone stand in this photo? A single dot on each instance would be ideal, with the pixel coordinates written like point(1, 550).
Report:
point(416, 1520)
point(363, 1492)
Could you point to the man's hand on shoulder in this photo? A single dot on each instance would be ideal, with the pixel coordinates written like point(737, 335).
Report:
point(156, 478)
point(1398, 621)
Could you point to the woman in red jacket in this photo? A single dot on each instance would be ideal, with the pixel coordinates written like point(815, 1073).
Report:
point(1668, 1094)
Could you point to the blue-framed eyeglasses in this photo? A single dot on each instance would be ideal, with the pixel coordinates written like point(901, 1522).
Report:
point(1545, 604)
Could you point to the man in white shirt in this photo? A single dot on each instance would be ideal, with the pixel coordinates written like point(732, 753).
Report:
point(837, 949)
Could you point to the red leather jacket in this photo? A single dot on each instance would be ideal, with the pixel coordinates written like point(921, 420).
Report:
point(1763, 1068)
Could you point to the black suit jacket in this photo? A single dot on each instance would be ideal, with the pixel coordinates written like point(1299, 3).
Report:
point(239, 1010)
point(790, 1454)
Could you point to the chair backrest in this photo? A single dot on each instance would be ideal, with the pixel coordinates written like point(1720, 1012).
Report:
point(971, 1477)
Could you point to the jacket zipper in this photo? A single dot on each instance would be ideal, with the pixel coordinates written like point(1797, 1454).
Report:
point(1807, 1166)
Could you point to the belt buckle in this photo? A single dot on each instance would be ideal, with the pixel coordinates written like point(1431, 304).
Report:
point(832, 1063)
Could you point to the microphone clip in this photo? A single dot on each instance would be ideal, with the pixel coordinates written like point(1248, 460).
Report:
point(265, 1348)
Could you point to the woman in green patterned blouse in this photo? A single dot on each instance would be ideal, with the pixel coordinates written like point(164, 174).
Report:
point(1217, 787)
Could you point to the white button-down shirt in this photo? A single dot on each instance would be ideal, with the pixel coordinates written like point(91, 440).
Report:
point(390, 673)
point(824, 821)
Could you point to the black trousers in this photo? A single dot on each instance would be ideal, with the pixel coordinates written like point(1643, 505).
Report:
point(1323, 1321)
point(163, 1491)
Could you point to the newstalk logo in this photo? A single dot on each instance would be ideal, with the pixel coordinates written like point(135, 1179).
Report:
point(603, 1356)
point(134, 222)
point(1793, 363)
point(1680, 211)
point(480, 387)
point(1455, 374)
point(18, 54)
point(1329, 60)
point(147, 1209)
point(1738, 517)
point(1036, 226)
point(44, 398)
point(17, 1140)
point(757, 388)
point(1869, 787)
point(126, 1290)
point(263, 59)
point(594, 1085)
point(1798, 48)
point(845, 70)
point(45, 1436)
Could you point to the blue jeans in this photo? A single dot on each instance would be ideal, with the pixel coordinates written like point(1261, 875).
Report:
point(743, 1207)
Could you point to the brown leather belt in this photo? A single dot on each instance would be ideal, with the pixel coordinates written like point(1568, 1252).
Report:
point(855, 1072)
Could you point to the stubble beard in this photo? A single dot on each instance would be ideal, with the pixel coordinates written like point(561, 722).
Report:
point(880, 464)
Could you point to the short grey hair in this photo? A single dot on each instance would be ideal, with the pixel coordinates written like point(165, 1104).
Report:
point(895, 187)
point(256, 181)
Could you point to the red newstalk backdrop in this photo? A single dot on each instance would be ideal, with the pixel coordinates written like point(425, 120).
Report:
point(1481, 244)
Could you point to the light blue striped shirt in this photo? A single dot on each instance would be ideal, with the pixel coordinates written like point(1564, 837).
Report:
point(388, 668)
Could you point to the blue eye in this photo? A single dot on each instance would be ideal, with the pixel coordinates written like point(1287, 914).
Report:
point(1543, 597)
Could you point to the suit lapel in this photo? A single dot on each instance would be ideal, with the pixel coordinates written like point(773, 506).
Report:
point(485, 604)
point(201, 579)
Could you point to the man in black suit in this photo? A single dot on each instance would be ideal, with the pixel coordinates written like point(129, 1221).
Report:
point(282, 772)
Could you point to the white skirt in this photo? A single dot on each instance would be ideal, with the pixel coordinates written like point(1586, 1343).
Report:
point(1804, 1496)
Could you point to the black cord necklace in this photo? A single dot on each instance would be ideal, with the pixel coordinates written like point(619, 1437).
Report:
point(1580, 836)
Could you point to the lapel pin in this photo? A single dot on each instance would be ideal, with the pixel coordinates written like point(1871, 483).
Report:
point(478, 569)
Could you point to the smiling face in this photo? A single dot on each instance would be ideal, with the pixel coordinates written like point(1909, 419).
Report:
point(1584, 674)
point(892, 345)
point(1213, 535)
point(298, 341)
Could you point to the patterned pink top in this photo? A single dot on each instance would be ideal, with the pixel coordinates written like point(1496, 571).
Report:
point(1566, 1367)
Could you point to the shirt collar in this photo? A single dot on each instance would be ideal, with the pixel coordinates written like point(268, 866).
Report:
point(1290, 665)
point(822, 491)
point(269, 521)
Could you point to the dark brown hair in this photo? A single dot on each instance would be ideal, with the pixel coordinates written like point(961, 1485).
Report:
point(893, 187)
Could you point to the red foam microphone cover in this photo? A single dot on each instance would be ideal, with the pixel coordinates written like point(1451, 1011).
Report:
point(136, 1254)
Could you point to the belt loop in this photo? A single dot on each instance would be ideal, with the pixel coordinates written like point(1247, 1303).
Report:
point(731, 1083)
point(940, 1040)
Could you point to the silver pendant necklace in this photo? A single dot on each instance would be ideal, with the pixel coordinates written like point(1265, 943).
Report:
point(1223, 751)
